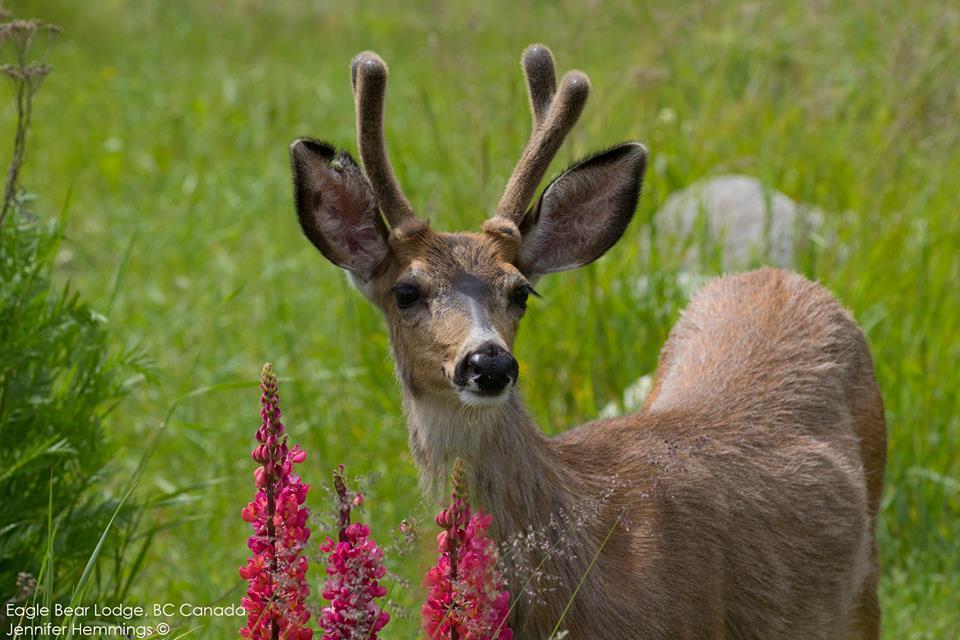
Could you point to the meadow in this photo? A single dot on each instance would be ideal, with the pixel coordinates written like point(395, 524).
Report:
point(163, 131)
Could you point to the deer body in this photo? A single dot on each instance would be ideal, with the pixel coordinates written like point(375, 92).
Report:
point(746, 500)
point(738, 503)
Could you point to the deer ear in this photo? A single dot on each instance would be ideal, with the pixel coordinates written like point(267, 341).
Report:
point(337, 208)
point(583, 212)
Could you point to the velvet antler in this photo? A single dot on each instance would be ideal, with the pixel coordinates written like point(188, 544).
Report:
point(368, 74)
point(554, 114)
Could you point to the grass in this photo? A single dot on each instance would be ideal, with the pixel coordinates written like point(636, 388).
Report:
point(167, 125)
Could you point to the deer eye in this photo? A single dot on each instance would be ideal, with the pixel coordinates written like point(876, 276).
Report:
point(521, 294)
point(406, 295)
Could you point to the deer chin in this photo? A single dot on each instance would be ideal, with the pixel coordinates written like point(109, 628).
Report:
point(478, 400)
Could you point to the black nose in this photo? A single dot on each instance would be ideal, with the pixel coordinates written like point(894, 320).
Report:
point(491, 368)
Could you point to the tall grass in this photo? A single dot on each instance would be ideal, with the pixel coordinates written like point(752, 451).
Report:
point(171, 124)
point(60, 377)
point(59, 380)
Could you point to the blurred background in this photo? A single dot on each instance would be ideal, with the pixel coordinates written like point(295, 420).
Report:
point(160, 139)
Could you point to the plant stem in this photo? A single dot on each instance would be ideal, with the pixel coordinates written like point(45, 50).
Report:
point(272, 534)
point(343, 503)
point(23, 99)
point(563, 614)
point(452, 543)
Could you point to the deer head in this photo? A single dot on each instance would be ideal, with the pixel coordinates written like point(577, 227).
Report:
point(453, 301)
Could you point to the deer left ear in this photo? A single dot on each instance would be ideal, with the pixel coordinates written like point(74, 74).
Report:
point(583, 212)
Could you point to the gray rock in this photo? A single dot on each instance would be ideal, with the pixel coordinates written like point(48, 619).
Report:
point(750, 223)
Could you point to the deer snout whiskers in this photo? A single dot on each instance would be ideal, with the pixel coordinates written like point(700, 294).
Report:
point(485, 376)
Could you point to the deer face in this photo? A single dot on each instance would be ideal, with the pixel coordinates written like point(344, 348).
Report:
point(453, 301)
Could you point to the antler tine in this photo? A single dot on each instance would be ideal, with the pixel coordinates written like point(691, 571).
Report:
point(552, 118)
point(368, 74)
point(544, 143)
point(541, 80)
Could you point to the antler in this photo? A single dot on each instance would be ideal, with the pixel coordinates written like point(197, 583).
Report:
point(554, 114)
point(368, 74)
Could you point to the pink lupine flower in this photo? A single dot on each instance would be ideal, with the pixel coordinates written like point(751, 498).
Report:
point(355, 567)
point(467, 599)
point(277, 569)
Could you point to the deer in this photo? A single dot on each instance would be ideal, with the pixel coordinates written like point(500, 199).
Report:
point(739, 502)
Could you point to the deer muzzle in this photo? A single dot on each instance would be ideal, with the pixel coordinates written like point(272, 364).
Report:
point(484, 375)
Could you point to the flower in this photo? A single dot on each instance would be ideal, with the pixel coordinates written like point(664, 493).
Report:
point(277, 569)
point(355, 567)
point(467, 599)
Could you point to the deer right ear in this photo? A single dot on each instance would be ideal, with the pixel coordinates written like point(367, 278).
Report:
point(337, 208)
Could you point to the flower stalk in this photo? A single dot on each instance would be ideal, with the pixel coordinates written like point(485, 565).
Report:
point(276, 572)
point(354, 569)
point(27, 77)
point(467, 598)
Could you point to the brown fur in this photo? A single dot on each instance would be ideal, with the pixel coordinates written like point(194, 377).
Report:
point(739, 502)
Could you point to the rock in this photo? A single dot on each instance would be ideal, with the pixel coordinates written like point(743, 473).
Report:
point(752, 224)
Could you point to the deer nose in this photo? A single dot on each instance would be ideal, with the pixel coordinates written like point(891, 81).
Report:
point(488, 369)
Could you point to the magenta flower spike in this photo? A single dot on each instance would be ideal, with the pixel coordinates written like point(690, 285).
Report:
point(467, 598)
point(354, 569)
point(277, 569)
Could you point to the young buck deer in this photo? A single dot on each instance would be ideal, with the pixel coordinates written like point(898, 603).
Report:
point(738, 503)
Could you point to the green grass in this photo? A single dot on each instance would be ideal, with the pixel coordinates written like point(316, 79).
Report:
point(170, 121)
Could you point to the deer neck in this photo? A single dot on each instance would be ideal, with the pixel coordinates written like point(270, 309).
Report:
point(520, 477)
point(513, 470)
